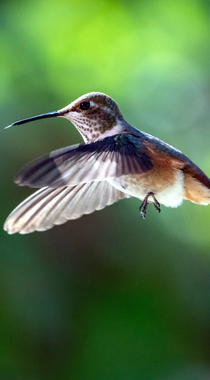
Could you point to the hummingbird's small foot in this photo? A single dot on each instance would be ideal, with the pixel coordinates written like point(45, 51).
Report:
point(143, 207)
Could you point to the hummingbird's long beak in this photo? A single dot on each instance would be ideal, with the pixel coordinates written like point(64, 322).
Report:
point(42, 116)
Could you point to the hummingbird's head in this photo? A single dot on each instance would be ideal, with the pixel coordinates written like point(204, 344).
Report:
point(95, 115)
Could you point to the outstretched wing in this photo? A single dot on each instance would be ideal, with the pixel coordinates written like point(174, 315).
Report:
point(48, 207)
point(104, 159)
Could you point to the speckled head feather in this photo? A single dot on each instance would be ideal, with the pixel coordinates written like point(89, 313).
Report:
point(102, 115)
point(99, 99)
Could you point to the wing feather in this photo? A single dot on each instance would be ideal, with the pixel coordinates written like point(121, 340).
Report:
point(48, 207)
point(104, 159)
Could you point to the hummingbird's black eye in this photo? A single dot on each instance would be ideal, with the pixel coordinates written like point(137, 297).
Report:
point(84, 106)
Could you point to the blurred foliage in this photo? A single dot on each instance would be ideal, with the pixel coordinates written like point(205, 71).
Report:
point(108, 296)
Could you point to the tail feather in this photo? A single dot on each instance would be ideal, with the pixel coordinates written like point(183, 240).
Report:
point(195, 190)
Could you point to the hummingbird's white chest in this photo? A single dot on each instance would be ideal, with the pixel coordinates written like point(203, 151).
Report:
point(167, 193)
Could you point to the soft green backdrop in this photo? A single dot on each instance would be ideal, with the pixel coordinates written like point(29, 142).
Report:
point(108, 296)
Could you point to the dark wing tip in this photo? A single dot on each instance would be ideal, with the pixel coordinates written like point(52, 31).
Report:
point(18, 180)
point(39, 173)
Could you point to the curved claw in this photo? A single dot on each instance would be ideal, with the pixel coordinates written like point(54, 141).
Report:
point(143, 207)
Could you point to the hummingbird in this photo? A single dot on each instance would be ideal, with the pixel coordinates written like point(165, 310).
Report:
point(115, 161)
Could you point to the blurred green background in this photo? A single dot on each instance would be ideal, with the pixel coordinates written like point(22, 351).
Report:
point(107, 296)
